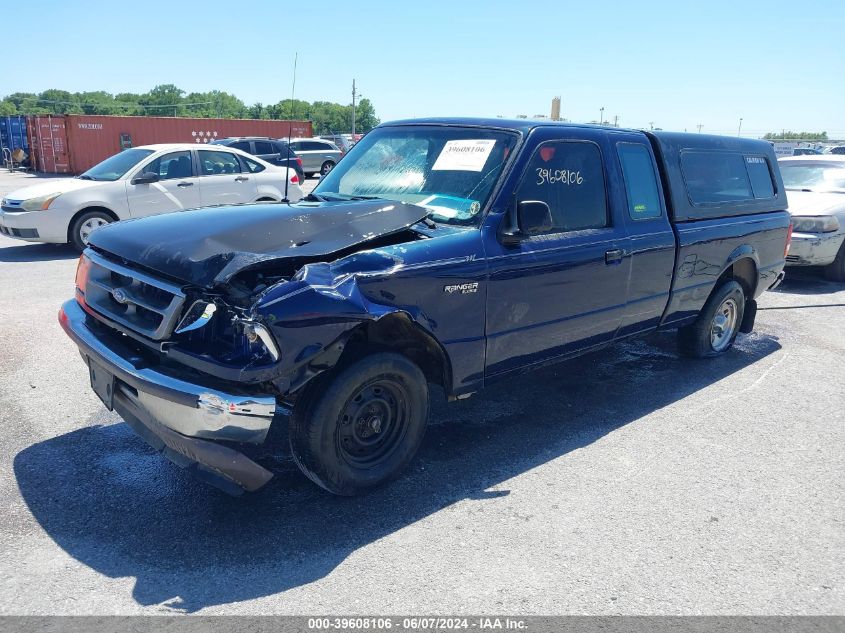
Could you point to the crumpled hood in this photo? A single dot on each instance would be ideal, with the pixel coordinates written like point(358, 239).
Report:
point(50, 186)
point(815, 203)
point(209, 246)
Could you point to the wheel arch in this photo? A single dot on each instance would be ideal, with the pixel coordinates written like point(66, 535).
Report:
point(742, 266)
point(88, 209)
point(398, 332)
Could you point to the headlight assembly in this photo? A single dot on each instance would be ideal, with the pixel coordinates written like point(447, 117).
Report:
point(41, 203)
point(815, 224)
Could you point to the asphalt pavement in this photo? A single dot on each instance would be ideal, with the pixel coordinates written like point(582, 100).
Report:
point(628, 481)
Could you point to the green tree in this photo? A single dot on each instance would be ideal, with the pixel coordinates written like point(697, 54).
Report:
point(365, 117)
point(97, 102)
point(7, 108)
point(126, 103)
point(163, 100)
point(59, 102)
point(795, 136)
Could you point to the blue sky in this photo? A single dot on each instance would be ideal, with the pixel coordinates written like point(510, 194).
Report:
point(777, 64)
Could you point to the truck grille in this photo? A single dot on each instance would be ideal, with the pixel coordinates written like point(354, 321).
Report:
point(138, 301)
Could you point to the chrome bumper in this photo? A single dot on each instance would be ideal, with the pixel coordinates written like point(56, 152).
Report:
point(190, 409)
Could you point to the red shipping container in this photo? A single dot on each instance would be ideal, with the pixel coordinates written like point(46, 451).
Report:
point(87, 140)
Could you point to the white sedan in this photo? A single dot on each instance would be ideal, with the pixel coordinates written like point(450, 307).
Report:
point(142, 181)
point(815, 187)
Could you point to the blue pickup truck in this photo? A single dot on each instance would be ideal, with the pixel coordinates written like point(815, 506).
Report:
point(447, 251)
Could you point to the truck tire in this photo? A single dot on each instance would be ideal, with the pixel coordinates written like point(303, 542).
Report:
point(359, 427)
point(83, 225)
point(714, 331)
point(835, 271)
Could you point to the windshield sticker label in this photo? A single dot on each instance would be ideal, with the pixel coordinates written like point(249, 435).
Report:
point(464, 155)
point(562, 176)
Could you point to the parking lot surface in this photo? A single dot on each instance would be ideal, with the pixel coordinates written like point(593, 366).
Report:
point(628, 481)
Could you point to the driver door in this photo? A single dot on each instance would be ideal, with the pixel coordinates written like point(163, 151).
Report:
point(552, 294)
point(176, 189)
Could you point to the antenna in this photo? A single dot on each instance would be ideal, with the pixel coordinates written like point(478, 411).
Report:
point(290, 126)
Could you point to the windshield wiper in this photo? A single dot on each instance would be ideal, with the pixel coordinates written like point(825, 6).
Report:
point(313, 197)
point(85, 177)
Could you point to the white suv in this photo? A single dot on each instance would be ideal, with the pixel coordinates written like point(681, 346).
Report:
point(142, 181)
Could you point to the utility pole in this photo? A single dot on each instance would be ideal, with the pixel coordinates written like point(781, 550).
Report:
point(651, 125)
point(353, 110)
point(615, 120)
point(699, 128)
point(601, 115)
point(739, 129)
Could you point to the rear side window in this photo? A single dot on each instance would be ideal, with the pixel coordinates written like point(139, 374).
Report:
point(715, 177)
point(761, 176)
point(252, 166)
point(569, 177)
point(640, 181)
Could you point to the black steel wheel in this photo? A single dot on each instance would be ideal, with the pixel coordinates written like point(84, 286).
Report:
point(359, 427)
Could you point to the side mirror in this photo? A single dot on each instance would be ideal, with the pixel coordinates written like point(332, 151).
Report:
point(533, 217)
point(145, 178)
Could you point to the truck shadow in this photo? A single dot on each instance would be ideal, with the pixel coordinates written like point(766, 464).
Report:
point(36, 253)
point(810, 281)
point(118, 507)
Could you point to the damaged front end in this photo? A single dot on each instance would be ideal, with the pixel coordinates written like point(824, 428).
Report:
point(201, 364)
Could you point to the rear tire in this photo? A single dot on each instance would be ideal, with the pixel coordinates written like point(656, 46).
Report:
point(326, 167)
point(84, 225)
point(835, 271)
point(359, 427)
point(714, 331)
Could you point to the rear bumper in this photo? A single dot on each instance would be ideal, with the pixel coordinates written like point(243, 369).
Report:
point(180, 418)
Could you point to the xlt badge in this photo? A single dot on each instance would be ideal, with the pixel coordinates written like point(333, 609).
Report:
point(464, 289)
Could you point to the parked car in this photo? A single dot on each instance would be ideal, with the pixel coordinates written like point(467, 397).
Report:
point(834, 149)
point(459, 252)
point(805, 151)
point(816, 191)
point(318, 156)
point(344, 142)
point(141, 181)
point(273, 151)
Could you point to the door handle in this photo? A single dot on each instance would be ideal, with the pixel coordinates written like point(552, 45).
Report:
point(614, 256)
point(241, 179)
point(185, 184)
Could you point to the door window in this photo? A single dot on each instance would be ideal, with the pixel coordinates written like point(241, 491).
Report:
point(213, 163)
point(315, 146)
point(640, 181)
point(263, 147)
point(170, 166)
point(569, 177)
point(242, 145)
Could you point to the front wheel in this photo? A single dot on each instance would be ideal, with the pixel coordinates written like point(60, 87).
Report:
point(326, 168)
point(360, 427)
point(84, 225)
point(714, 331)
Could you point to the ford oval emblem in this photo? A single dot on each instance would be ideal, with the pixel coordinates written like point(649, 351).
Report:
point(118, 295)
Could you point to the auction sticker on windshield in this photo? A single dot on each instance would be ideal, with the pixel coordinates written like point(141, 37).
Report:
point(464, 155)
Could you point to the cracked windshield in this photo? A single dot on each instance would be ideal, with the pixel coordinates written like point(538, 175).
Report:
point(448, 170)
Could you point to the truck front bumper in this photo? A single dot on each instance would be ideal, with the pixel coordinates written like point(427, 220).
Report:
point(814, 249)
point(184, 420)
